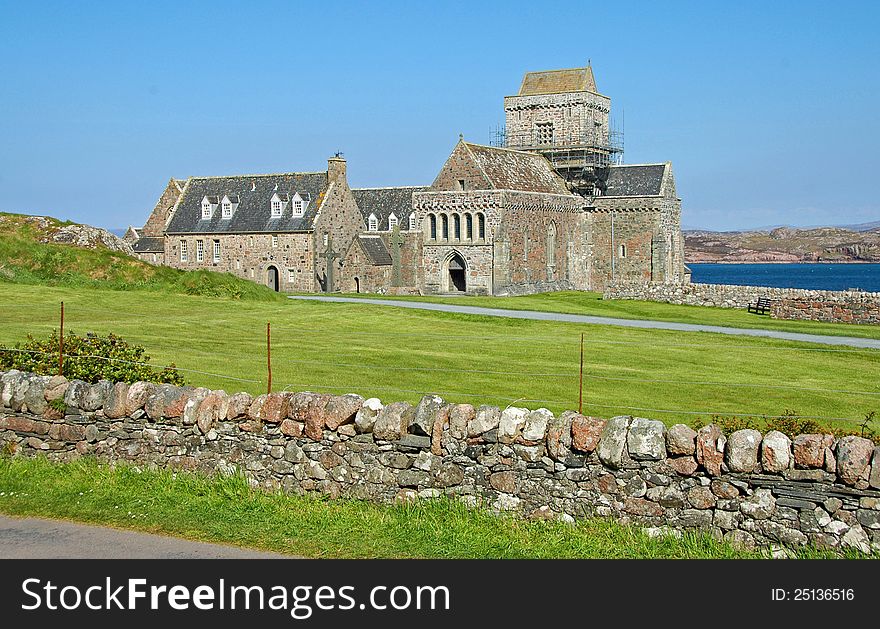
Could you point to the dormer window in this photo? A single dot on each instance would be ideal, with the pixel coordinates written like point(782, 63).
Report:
point(298, 207)
point(412, 221)
point(228, 205)
point(373, 223)
point(392, 222)
point(278, 204)
point(208, 205)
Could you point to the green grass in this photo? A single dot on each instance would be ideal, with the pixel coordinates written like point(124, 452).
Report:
point(226, 510)
point(25, 260)
point(592, 304)
point(399, 354)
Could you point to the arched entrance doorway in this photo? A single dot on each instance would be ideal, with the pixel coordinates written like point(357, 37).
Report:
point(272, 278)
point(456, 274)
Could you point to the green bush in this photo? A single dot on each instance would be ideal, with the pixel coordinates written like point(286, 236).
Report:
point(89, 358)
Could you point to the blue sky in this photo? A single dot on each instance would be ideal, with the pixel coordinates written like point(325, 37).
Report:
point(768, 110)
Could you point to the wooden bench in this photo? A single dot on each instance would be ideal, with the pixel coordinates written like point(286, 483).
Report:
point(762, 306)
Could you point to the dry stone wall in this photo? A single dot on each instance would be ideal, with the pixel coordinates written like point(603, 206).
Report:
point(747, 488)
point(787, 303)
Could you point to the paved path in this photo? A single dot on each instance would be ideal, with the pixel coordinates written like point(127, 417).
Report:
point(36, 538)
point(630, 323)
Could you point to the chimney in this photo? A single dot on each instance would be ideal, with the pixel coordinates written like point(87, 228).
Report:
point(336, 168)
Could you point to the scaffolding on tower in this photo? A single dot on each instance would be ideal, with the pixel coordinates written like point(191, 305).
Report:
point(582, 156)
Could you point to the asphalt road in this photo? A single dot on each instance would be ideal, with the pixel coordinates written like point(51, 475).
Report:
point(848, 341)
point(36, 538)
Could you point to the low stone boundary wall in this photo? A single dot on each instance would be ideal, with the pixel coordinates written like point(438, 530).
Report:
point(790, 303)
point(851, 310)
point(747, 488)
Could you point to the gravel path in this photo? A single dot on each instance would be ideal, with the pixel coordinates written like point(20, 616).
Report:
point(37, 538)
point(848, 341)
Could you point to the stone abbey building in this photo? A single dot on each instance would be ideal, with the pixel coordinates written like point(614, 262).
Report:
point(547, 207)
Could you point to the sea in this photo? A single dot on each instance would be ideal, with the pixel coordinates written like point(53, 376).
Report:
point(838, 276)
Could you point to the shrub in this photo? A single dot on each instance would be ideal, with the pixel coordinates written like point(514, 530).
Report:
point(89, 358)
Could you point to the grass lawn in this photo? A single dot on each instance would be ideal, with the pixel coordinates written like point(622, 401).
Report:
point(592, 304)
point(226, 510)
point(400, 354)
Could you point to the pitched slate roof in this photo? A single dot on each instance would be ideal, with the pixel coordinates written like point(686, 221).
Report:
point(507, 169)
point(383, 201)
point(149, 244)
point(640, 180)
point(558, 81)
point(375, 249)
point(253, 213)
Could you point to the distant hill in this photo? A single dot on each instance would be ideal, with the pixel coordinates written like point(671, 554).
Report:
point(863, 227)
point(785, 244)
point(45, 250)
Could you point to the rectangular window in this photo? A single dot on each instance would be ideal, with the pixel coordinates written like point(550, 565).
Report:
point(184, 254)
point(216, 251)
point(298, 207)
point(200, 250)
point(276, 209)
point(274, 241)
point(227, 210)
point(544, 133)
point(461, 184)
point(412, 221)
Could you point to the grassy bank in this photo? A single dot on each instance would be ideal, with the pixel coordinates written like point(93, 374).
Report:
point(399, 354)
point(592, 304)
point(226, 510)
point(26, 260)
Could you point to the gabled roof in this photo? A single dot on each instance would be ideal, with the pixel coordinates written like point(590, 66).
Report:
point(149, 244)
point(507, 169)
point(637, 180)
point(375, 249)
point(254, 210)
point(558, 81)
point(382, 202)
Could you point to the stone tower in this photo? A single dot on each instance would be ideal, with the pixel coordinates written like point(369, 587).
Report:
point(560, 114)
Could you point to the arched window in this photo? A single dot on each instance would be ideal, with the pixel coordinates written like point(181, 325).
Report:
point(444, 222)
point(621, 250)
point(551, 250)
point(456, 226)
point(432, 219)
point(481, 226)
point(469, 226)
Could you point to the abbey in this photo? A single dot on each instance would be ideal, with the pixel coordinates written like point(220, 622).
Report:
point(547, 207)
